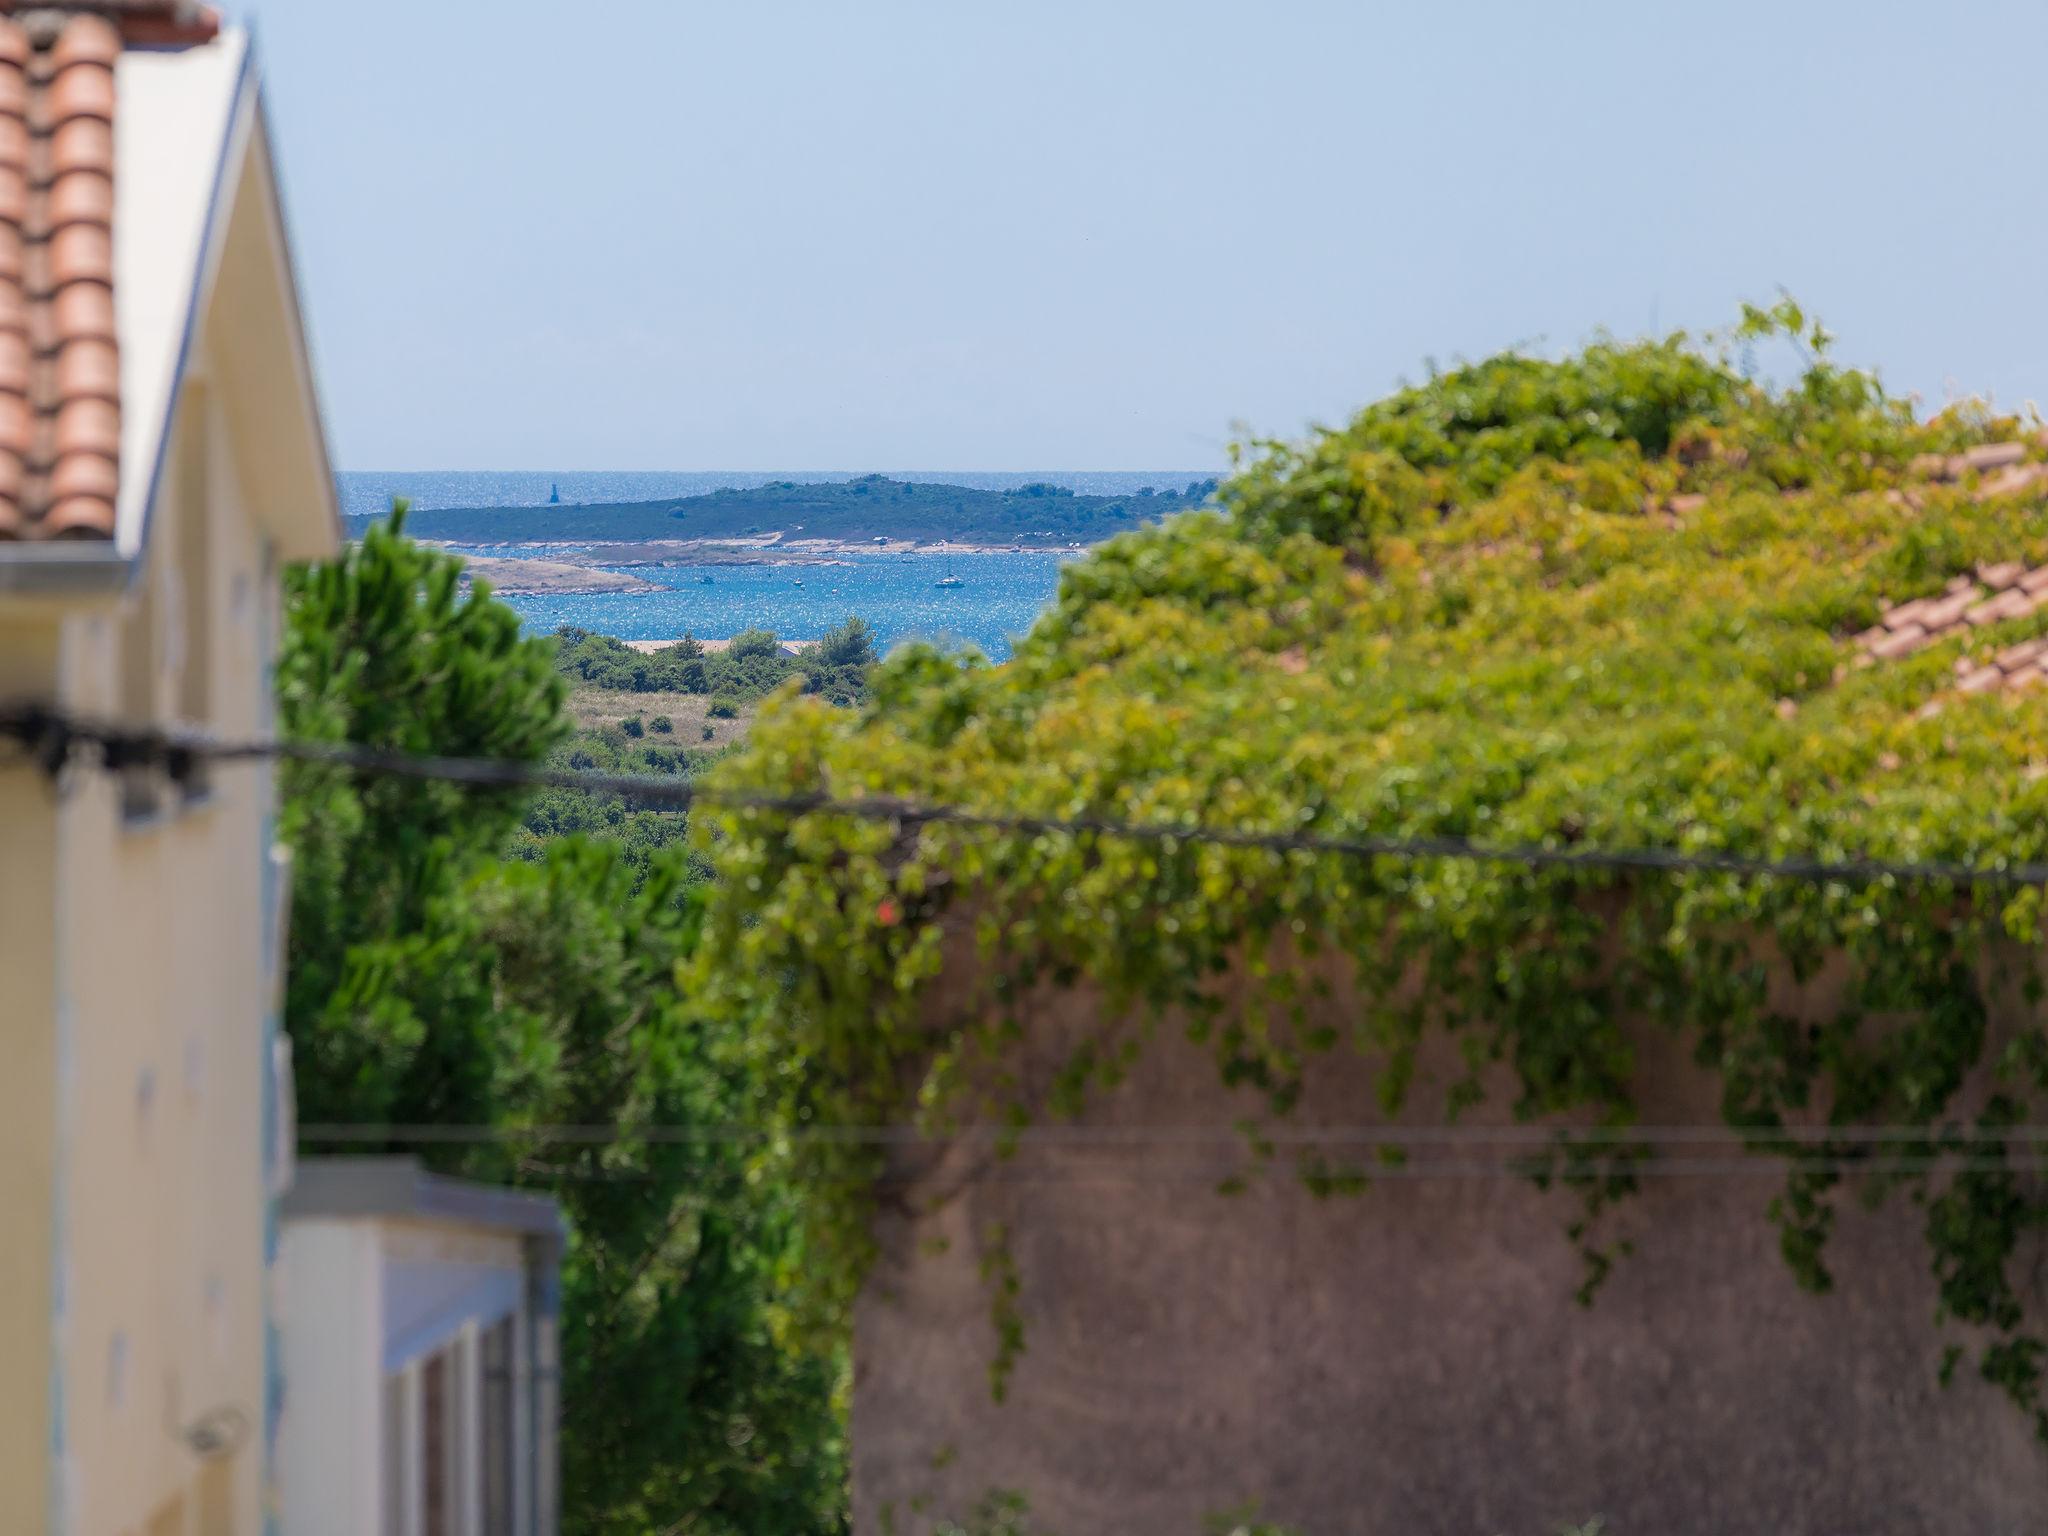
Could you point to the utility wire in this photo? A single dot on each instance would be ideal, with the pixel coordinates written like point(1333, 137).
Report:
point(57, 741)
point(1594, 1152)
point(1537, 1137)
point(1225, 1174)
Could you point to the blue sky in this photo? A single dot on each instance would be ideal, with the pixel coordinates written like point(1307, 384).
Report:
point(662, 234)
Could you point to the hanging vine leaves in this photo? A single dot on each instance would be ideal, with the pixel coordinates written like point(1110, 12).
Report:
point(1601, 600)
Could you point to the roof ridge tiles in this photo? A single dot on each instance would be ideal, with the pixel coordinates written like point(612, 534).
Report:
point(60, 374)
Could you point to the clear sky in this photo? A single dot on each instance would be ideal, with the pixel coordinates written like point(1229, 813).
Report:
point(667, 234)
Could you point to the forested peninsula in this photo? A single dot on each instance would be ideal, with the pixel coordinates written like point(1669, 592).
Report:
point(856, 511)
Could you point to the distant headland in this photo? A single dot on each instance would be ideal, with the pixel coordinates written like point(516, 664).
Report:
point(868, 510)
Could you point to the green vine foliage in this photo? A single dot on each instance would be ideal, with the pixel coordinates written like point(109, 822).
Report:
point(1473, 612)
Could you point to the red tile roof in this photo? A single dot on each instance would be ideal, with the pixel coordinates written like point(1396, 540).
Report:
point(60, 402)
point(1993, 594)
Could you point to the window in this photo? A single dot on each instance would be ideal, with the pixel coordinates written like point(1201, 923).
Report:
point(397, 1472)
point(437, 1458)
point(498, 1418)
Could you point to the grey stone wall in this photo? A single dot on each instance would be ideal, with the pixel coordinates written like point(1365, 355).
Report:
point(1410, 1360)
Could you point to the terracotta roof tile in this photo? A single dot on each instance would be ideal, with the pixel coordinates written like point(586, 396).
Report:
point(1944, 612)
point(86, 39)
point(81, 143)
point(1901, 643)
point(2006, 605)
point(89, 369)
point(2018, 655)
point(1998, 592)
point(83, 310)
point(1987, 456)
point(60, 416)
point(1981, 679)
point(1999, 577)
point(2012, 479)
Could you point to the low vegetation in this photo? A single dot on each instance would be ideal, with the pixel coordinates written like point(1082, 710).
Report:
point(750, 665)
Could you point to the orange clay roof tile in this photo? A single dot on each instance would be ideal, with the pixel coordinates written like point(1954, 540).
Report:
point(82, 143)
point(1900, 643)
point(60, 417)
point(88, 368)
point(86, 39)
point(2004, 574)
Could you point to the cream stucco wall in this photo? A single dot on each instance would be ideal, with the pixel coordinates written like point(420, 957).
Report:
point(135, 973)
point(28, 985)
point(160, 1024)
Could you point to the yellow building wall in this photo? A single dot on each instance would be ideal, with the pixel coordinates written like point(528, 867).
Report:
point(132, 1108)
point(28, 860)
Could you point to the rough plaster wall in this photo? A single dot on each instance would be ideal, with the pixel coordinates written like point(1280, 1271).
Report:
point(1409, 1360)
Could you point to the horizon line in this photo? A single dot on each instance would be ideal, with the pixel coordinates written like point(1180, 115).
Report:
point(954, 470)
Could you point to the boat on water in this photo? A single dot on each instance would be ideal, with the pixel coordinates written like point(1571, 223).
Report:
point(704, 581)
point(949, 580)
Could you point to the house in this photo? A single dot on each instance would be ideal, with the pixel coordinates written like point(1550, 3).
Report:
point(420, 1353)
point(161, 459)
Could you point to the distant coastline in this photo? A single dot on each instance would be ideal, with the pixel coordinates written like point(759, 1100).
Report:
point(368, 492)
point(813, 520)
point(959, 565)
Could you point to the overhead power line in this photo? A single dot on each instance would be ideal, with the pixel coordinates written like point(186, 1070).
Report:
point(1532, 1137)
point(58, 741)
point(1082, 1155)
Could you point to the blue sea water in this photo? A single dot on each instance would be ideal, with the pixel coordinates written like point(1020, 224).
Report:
point(371, 490)
point(998, 598)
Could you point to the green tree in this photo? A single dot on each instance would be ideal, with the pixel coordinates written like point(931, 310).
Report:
point(383, 649)
point(685, 1405)
point(435, 979)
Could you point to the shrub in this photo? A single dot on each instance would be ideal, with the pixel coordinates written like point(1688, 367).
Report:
point(661, 725)
point(752, 642)
point(724, 707)
point(710, 731)
point(851, 644)
point(632, 727)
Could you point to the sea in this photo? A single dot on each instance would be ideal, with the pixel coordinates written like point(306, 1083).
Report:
point(997, 599)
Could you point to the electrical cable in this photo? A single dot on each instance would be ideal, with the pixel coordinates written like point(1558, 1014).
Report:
point(57, 741)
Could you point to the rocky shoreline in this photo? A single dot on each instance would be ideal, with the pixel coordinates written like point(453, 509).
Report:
point(592, 567)
point(519, 577)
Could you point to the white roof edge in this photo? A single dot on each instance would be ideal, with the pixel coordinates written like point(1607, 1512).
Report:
point(301, 342)
point(400, 1186)
point(180, 131)
point(187, 122)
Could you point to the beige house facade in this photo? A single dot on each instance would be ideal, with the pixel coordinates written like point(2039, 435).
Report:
point(161, 459)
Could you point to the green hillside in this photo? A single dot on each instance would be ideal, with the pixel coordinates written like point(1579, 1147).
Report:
point(869, 508)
